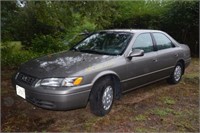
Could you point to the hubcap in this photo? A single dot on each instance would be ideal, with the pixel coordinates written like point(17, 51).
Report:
point(177, 73)
point(107, 98)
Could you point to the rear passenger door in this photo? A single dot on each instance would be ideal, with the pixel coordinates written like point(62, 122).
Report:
point(166, 54)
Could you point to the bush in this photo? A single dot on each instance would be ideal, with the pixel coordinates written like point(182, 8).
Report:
point(13, 55)
point(10, 47)
point(47, 44)
point(17, 58)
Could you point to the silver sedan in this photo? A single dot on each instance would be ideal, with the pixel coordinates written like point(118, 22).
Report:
point(100, 68)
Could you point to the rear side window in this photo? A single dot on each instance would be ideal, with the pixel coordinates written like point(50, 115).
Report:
point(162, 41)
point(144, 42)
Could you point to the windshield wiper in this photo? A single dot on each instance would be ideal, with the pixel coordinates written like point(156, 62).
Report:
point(75, 49)
point(90, 51)
point(86, 51)
point(95, 52)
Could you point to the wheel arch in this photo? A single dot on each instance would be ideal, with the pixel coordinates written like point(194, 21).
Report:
point(114, 77)
point(183, 64)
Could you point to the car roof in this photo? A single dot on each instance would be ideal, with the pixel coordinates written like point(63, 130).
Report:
point(132, 30)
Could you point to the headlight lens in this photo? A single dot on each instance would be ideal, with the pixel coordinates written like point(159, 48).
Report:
point(56, 82)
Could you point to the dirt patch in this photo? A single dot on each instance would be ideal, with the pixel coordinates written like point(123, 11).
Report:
point(159, 107)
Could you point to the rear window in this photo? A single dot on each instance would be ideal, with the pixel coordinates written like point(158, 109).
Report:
point(162, 41)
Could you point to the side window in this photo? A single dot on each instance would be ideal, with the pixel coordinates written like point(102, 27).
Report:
point(144, 42)
point(162, 41)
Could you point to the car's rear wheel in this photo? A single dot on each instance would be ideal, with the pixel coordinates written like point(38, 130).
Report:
point(102, 97)
point(176, 75)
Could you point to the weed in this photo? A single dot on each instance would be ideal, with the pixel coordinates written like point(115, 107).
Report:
point(89, 124)
point(177, 113)
point(169, 100)
point(185, 125)
point(162, 112)
point(191, 78)
point(140, 117)
point(141, 129)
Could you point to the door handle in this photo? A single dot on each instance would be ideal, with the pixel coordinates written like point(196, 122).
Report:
point(176, 55)
point(155, 60)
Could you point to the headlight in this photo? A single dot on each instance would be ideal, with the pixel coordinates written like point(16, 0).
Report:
point(56, 82)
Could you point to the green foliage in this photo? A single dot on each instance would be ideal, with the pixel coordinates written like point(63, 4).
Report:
point(47, 44)
point(50, 26)
point(52, 13)
point(11, 47)
point(15, 59)
point(162, 111)
point(141, 117)
point(181, 20)
point(168, 100)
point(131, 9)
point(81, 24)
point(13, 55)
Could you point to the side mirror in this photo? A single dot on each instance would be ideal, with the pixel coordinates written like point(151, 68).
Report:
point(85, 33)
point(136, 53)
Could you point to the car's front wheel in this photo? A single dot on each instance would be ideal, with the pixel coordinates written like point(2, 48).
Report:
point(175, 77)
point(102, 97)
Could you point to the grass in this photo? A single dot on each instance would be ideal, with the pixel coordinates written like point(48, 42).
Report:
point(162, 111)
point(184, 125)
point(141, 129)
point(65, 128)
point(141, 117)
point(168, 100)
point(91, 122)
point(192, 78)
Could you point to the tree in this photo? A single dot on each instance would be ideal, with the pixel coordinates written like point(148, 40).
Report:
point(181, 20)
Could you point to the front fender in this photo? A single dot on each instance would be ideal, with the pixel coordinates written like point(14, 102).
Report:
point(104, 73)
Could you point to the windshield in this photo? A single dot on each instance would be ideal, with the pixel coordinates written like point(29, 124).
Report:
point(110, 43)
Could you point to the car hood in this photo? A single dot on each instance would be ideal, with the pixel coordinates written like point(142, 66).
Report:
point(62, 64)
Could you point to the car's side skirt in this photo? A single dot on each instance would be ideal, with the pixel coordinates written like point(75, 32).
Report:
point(147, 74)
point(145, 84)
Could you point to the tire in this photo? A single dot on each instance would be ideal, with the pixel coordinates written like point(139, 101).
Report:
point(176, 75)
point(102, 89)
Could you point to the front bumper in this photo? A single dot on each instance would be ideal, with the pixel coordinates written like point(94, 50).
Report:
point(56, 98)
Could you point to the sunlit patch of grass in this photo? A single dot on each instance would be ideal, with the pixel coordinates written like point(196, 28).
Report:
point(162, 111)
point(141, 129)
point(177, 113)
point(166, 111)
point(140, 117)
point(168, 100)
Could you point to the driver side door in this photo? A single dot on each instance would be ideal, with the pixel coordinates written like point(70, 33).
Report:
point(140, 70)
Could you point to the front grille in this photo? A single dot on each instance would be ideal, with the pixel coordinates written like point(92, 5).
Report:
point(26, 78)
